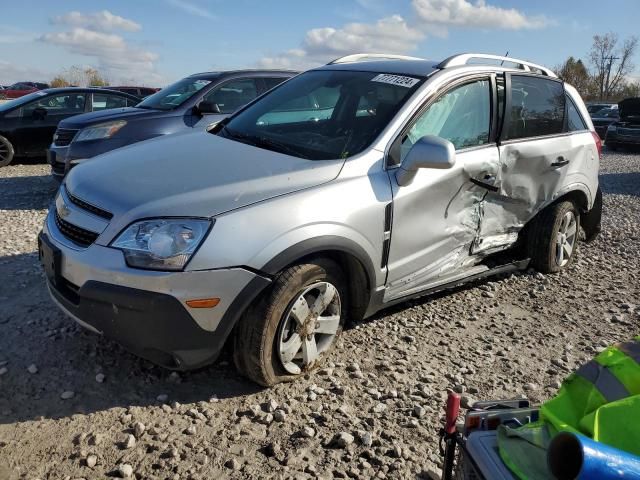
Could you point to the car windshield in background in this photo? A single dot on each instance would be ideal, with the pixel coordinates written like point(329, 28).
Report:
point(323, 114)
point(20, 101)
point(174, 95)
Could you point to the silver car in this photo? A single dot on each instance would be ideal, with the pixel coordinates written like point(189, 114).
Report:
point(351, 187)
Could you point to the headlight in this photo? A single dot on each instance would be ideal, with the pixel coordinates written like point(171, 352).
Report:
point(161, 244)
point(612, 128)
point(102, 130)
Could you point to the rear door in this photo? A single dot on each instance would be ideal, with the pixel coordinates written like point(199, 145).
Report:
point(539, 157)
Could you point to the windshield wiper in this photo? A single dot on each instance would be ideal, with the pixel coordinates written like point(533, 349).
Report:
point(262, 142)
point(275, 146)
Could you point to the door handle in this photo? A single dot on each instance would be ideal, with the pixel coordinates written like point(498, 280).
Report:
point(560, 162)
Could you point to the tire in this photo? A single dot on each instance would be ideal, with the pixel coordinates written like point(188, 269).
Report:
point(6, 152)
point(552, 240)
point(268, 333)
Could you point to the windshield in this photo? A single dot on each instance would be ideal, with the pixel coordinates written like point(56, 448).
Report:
point(323, 114)
point(175, 94)
point(20, 101)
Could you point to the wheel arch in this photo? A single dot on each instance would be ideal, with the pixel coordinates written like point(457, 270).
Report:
point(356, 263)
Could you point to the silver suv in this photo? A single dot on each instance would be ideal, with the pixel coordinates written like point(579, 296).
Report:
point(349, 188)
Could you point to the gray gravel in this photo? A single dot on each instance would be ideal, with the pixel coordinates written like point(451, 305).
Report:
point(93, 410)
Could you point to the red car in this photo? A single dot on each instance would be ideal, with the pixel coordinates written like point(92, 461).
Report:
point(21, 88)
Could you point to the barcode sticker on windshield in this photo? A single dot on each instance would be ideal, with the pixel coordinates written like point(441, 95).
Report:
point(398, 80)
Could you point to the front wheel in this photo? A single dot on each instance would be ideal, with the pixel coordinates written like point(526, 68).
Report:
point(6, 152)
point(293, 326)
point(553, 237)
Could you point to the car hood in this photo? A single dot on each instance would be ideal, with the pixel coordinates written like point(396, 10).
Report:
point(126, 113)
point(191, 174)
point(629, 107)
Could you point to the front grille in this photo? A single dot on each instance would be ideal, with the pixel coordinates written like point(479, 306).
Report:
point(91, 208)
point(63, 136)
point(77, 235)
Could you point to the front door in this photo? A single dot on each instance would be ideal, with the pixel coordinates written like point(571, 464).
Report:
point(229, 96)
point(40, 119)
point(436, 218)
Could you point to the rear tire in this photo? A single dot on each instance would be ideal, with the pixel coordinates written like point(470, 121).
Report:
point(6, 152)
point(291, 328)
point(552, 239)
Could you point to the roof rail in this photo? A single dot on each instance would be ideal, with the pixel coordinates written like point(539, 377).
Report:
point(463, 59)
point(359, 57)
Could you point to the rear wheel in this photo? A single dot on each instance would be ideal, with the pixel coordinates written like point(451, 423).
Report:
point(553, 237)
point(6, 152)
point(294, 325)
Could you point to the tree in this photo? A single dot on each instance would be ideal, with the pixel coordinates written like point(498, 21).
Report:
point(80, 76)
point(575, 73)
point(611, 63)
point(59, 81)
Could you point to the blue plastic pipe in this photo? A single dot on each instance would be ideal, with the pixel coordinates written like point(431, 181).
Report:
point(574, 456)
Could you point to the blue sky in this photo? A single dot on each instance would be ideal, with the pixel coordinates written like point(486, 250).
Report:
point(154, 42)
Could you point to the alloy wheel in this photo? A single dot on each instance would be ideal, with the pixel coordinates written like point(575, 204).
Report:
point(566, 238)
point(309, 327)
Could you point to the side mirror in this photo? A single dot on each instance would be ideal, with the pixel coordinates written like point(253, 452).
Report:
point(205, 108)
point(39, 113)
point(428, 152)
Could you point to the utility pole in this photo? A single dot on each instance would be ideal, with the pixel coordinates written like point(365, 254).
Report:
point(605, 87)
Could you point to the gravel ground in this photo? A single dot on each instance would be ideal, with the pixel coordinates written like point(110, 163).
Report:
point(74, 405)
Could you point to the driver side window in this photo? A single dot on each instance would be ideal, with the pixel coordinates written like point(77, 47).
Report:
point(232, 95)
point(462, 115)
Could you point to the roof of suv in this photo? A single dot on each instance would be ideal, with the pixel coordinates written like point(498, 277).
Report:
point(215, 75)
point(400, 66)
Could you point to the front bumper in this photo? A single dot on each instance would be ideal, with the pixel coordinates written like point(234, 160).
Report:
point(146, 310)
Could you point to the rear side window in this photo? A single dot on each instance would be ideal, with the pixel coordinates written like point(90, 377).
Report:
point(537, 107)
point(273, 82)
point(105, 101)
point(575, 123)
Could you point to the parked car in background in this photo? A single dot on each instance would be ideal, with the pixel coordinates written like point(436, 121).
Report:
point(140, 92)
point(21, 89)
point(345, 190)
point(626, 131)
point(28, 123)
point(603, 118)
point(594, 107)
point(197, 101)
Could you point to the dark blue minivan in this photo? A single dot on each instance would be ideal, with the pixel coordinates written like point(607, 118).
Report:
point(197, 101)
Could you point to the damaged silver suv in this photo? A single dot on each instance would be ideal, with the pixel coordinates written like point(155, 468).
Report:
point(349, 188)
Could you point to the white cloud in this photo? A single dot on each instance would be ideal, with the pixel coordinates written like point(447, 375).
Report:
point(464, 13)
point(395, 34)
point(103, 21)
point(388, 35)
point(192, 9)
point(115, 58)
